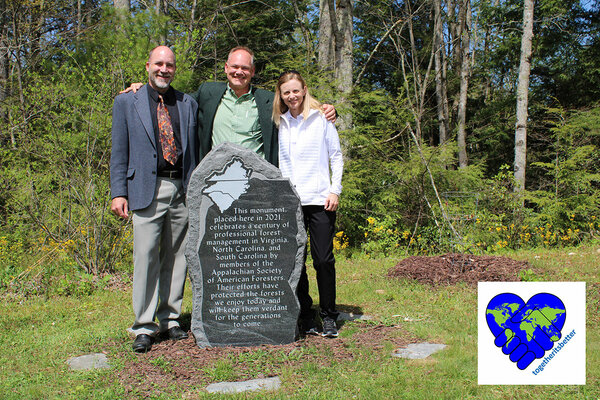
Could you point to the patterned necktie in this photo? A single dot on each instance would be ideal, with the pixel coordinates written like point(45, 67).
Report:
point(165, 130)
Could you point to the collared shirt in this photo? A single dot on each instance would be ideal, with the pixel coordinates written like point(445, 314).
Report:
point(308, 149)
point(236, 121)
point(171, 102)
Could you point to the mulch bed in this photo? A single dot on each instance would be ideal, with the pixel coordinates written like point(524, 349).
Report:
point(449, 269)
point(182, 366)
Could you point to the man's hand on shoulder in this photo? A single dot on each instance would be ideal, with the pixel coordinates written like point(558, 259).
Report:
point(120, 207)
point(330, 113)
point(134, 87)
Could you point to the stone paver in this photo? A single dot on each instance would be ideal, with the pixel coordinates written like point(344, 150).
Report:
point(88, 361)
point(246, 386)
point(418, 350)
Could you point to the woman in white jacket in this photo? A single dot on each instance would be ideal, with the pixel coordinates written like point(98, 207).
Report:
point(309, 147)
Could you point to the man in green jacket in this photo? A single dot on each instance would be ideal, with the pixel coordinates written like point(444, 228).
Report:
point(236, 112)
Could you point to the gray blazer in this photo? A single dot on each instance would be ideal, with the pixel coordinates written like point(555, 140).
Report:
point(133, 161)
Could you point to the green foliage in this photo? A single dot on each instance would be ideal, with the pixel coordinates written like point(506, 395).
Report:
point(490, 220)
point(222, 371)
point(527, 275)
point(572, 168)
point(57, 176)
point(12, 255)
point(382, 237)
point(387, 180)
point(54, 205)
point(55, 136)
point(79, 284)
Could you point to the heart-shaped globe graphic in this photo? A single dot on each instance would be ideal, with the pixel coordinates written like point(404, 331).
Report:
point(525, 331)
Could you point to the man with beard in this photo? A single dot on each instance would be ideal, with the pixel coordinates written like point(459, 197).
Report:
point(154, 150)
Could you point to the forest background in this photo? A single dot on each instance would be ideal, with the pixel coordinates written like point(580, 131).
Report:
point(426, 93)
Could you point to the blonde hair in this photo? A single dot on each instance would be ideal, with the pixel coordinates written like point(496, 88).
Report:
point(279, 107)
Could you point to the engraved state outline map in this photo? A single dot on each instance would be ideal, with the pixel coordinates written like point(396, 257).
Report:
point(227, 186)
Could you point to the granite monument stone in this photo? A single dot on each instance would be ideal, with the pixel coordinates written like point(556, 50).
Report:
point(245, 250)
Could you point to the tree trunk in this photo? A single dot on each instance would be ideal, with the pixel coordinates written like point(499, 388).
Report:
point(488, 43)
point(325, 37)
point(522, 96)
point(335, 50)
point(416, 82)
point(344, 58)
point(16, 54)
point(79, 18)
point(454, 32)
point(192, 23)
point(35, 52)
point(464, 83)
point(162, 7)
point(441, 91)
point(4, 68)
point(122, 5)
point(303, 23)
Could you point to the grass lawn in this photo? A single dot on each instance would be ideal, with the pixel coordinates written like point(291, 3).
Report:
point(38, 335)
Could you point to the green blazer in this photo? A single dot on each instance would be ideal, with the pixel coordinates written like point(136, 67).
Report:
point(209, 95)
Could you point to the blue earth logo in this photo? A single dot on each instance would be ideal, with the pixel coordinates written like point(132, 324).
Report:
point(525, 331)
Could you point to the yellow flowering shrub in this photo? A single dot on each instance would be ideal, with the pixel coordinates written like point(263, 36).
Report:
point(340, 241)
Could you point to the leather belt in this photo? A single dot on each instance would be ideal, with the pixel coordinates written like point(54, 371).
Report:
point(170, 174)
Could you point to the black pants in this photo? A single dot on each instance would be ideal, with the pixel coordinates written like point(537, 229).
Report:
point(320, 224)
